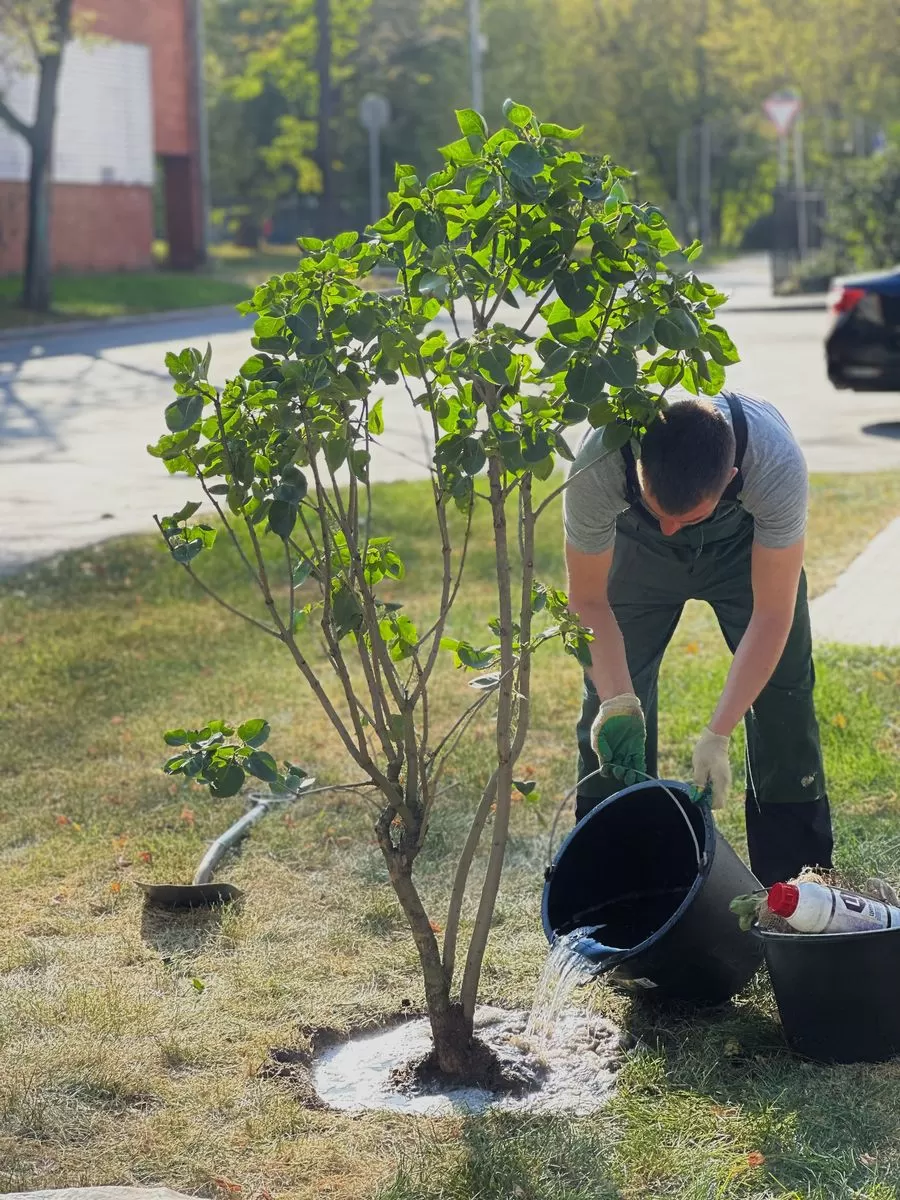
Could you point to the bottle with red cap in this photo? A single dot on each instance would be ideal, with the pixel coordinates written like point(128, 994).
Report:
point(816, 908)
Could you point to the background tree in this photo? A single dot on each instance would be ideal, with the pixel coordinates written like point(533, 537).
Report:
point(37, 31)
point(541, 340)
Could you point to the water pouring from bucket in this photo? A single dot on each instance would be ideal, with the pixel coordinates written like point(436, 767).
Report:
point(645, 881)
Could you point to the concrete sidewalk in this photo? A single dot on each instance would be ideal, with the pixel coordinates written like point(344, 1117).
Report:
point(747, 281)
point(863, 608)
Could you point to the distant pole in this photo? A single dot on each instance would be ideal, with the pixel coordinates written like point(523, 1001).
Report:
point(705, 181)
point(784, 171)
point(475, 51)
point(374, 175)
point(800, 187)
point(681, 167)
point(374, 114)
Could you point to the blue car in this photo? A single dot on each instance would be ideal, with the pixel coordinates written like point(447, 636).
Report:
point(863, 347)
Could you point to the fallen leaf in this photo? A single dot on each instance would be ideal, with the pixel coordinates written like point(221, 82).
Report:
point(732, 1047)
point(435, 927)
point(119, 720)
point(187, 815)
point(880, 676)
point(755, 1158)
point(61, 820)
point(839, 720)
point(228, 1185)
point(115, 887)
point(692, 648)
point(146, 856)
point(868, 1160)
point(76, 827)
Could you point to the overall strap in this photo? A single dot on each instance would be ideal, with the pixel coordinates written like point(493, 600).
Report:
point(739, 424)
point(632, 487)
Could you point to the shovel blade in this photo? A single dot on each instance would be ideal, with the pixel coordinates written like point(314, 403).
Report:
point(189, 895)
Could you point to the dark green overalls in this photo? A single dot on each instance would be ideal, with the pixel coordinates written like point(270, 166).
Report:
point(787, 814)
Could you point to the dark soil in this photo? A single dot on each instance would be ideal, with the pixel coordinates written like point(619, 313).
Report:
point(487, 1070)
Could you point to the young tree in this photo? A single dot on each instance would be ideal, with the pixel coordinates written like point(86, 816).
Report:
point(608, 315)
point(40, 29)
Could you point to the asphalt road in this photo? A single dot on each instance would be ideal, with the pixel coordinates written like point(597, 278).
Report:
point(77, 410)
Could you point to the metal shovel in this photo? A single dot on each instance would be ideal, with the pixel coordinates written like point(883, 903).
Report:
point(202, 893)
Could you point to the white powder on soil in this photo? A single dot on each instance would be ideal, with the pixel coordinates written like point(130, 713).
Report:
point(579, 1067)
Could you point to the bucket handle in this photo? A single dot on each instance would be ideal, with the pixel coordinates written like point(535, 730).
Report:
point(701, 858)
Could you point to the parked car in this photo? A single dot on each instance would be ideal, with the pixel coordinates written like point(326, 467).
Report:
point(863, 347)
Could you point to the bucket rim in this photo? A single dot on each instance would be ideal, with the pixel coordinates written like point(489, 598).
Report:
point(775, 936)
point(703, 869)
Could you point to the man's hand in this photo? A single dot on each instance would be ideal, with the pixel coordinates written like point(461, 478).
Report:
point(619, 736)
point(712, 770)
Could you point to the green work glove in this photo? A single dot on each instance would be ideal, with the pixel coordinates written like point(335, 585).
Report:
point(619, 738)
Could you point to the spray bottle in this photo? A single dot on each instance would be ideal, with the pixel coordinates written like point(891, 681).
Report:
point(815, 908)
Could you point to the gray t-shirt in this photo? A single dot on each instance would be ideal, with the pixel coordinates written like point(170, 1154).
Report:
point(774, 492)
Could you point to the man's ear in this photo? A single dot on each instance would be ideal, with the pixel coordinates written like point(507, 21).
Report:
point(734, 472)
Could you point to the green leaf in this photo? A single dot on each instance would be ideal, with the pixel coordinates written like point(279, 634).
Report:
point(524, 160)
point(228, 781)
point(677, 330)
point(336, 449)
point(282, 518)
point(622, 368)
point(431, 228)
point(585, 380)
point(262, 765)
point(185, 552)
point(638, 332)
point(548, 129)
point(345, 611)
point(376, 419)
point(176, 737)
point(574, 289)
point(255, 732)
point(601, 413)
point(310, 243)
point(517, 114)
point(431, 284)
point(304, 325)
point(471, 122)
point(615, 436)
point(345, 241)
point(459, 152)
point(184, 412)
point(187, 511)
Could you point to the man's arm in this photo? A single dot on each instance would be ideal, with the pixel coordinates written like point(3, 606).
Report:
point(774, 576)
point(588, 575)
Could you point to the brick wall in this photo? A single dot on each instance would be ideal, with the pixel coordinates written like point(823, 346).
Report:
point(107, 228)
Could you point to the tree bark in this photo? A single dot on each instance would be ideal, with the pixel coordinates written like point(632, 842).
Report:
point(36, 284)
point(325, 143)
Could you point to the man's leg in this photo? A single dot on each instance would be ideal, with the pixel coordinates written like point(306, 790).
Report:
point(788, 817)
point(647, 617)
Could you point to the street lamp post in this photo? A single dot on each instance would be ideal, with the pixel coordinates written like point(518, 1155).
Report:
point(476, 49)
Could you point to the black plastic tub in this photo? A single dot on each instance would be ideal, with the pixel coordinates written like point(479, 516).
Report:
point(631, 866)
point(837, 993)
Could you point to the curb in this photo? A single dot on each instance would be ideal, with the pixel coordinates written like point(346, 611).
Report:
point(800, 306)
point(60, 328)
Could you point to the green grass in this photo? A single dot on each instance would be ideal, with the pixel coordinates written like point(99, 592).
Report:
point(115, 1067)
point(229, 276)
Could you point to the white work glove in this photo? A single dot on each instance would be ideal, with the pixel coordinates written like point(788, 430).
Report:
point(618, 737)
point(712, 770)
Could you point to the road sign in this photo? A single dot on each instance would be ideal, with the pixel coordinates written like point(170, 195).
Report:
point(374, 112)
point(782, 109)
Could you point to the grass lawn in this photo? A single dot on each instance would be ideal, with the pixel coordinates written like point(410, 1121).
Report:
point(229, 276)
point(131, 1045)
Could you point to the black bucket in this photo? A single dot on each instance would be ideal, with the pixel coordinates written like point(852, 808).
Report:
point(837, 993)
point(631, 866)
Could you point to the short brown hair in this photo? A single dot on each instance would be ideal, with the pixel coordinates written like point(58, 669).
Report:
point(687, 455)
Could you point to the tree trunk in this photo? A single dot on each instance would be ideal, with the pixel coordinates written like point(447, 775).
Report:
point(36, 286)
point(454, 1049)
point(324, 143)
